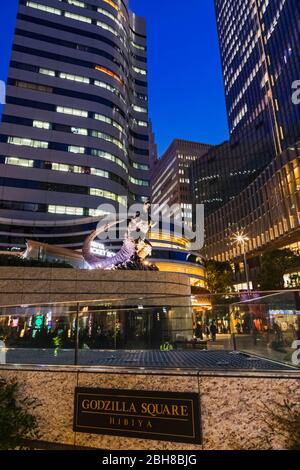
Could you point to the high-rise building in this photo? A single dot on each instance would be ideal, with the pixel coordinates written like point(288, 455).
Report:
point(74, 130)
point(223, 173)
point(259, 43)
point(171, 182)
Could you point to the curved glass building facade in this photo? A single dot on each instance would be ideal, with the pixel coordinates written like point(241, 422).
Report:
point(74, 131)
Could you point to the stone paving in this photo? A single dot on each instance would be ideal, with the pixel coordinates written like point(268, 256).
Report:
point(183, 359)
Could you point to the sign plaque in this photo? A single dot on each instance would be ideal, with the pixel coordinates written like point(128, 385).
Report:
point(165, 416)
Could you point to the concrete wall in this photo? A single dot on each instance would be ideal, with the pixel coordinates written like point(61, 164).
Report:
point(45, 285)
point(230, 402)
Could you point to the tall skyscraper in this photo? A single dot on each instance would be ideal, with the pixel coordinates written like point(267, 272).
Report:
point(74, 131)
point(259, 42)
point(170, 181)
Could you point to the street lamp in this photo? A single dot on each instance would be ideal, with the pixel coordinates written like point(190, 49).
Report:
point(241, 239)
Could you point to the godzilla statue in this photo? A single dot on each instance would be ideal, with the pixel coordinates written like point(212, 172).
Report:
point(133, 252)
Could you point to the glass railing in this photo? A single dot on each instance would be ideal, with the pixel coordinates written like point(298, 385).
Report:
point(73, 333)
point(268, 326)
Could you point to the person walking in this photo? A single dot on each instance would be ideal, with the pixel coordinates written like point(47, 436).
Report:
point(213, 331)
point(199, 331)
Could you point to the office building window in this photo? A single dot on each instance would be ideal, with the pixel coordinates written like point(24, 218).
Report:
point(72, 111)
point(27, 142)
point(19, 161)
point(67, 210)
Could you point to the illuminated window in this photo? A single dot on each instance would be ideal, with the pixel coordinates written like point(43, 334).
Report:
point(139, 109)
point(108, 138)
point(79, 131)
point(72, 111)
point(138, 182)
point(97, 213)
point(76, 3)
point(46, 8)
point(139, 166)
point(27, 142)
point(75, 149)
point(74, 16)
point(109, 156)
point(108, 195)
point(74, 78)
point(138, 46)
point(47, 72)
point(97, 172)
point(109, 88)
point(111, 16)
point(109, 72)
point(101, 117)
point(68, 210)
point(141, 71)
point(115, 6)
point(41, 125)
point(19, 161)
point(60, 167)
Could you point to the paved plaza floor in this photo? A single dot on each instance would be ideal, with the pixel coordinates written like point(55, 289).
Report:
point(183, 359)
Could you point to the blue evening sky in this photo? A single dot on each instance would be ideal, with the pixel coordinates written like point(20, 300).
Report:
point(186, 95)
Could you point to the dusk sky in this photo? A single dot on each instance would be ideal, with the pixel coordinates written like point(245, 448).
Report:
point(186, 95)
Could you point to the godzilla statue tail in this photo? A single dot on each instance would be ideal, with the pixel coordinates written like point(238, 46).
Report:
point(124, 255)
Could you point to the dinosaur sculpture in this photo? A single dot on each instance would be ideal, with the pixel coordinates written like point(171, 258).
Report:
point(133, 252)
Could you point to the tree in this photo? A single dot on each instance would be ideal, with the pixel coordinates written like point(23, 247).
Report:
point(219, 277)
point(274, 265)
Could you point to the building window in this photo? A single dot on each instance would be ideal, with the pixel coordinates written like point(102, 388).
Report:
point(74, 78)
point(79, 131)
point(97, 172)
point(42, 125)
point(76, 3)
point(138, 182)
point(108, 138)
point(74, 16)
point(27, 142)
point(97, 213)
point(109, 72)
point(49, 72)
point(109, 156)
point(75, 149)
point(139, 109)
point(72, 111)
point(108, 195)
point(46, 8)
point(138, 46)
point(19, 161)
point(101, 117)
point(68, 210)
point(139, 166)
point(141, 71)
point(35, 87)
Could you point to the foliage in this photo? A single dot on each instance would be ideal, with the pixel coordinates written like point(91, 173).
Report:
point(274, 265)
point(11, 260)
point(219, 277)
point(16, 421)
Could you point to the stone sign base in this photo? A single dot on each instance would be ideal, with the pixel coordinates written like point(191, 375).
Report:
point(232, 403)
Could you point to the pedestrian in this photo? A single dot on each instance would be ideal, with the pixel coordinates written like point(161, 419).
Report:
point(199, 331)
point(213, 331)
